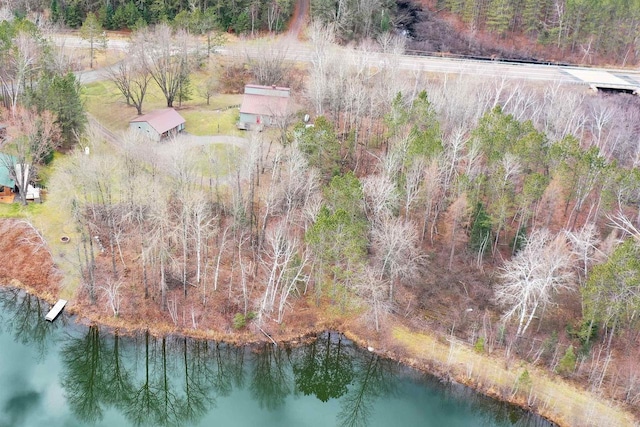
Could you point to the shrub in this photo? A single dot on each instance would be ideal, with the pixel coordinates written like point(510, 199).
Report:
point(479, 345)
point(586, 332)
point(239, 321)
point(524, 382)
point(568, 362)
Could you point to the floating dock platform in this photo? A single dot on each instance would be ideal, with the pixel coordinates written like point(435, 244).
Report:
point(55, 310)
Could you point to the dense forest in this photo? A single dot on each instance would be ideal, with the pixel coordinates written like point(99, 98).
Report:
point(241, 16)
point(583, 29)
point(573, 30)
point(354, 19)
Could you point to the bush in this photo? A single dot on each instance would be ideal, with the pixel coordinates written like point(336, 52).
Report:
point(568, 362)
point(239, 321)
point(586, 332)
point(524, 382)
point(479, 345)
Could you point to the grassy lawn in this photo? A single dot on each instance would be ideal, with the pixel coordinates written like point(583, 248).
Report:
point(17, 210)
point(53, 221)
point(207, 122)
point(105, 103)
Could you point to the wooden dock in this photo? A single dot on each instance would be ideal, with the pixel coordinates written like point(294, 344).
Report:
point(55, 310)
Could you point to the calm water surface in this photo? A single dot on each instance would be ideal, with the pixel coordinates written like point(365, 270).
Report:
point(61, 374)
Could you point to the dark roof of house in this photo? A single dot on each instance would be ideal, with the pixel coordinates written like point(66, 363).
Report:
point(265, 104)
point(161, 120)
point(5, 178)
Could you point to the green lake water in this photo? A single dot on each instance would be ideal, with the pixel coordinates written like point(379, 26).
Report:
point(64, 375)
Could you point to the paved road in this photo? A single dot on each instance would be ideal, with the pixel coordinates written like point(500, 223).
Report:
point(90, 76)
point(302, 51)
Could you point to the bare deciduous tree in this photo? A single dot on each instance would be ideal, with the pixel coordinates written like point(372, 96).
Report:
point(374, 292)
point(284, 269)
point(298, 183)
point(530, 280)
point(392, 43)
point(624, 224)
point(131, 78)
point(22, 59)
point(322, 38)
point(396, 251)
point(584, 246)
point(111, 291)
point(413, 184)
point(268, 65)
point(209, 88)
point(433, 192)
point(167, 57)
point(381, 197)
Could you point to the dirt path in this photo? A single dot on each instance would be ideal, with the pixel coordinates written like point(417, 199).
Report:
point(298, 19)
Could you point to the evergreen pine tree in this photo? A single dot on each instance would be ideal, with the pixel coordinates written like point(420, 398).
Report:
point(499, 16)
point(55, 11)
point(568, 362)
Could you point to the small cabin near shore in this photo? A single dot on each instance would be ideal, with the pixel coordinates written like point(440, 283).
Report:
point(7, 184)
point(262, 106)
point(159, 124)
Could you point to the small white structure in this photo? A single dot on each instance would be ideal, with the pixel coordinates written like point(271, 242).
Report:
point(33, 193)
point(159, 124)
point(53, 313)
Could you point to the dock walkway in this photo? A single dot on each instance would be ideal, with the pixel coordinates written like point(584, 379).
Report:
point(55, 310)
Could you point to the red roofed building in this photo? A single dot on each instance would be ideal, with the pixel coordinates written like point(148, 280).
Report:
point(262, 106)
point(159, 124)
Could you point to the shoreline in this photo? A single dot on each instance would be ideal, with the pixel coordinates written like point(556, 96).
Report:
point(410, 349)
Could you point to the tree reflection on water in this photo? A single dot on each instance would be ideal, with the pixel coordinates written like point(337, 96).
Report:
point(24, 319)
point(373, 380)
point(177, 381)
point(324, 368)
